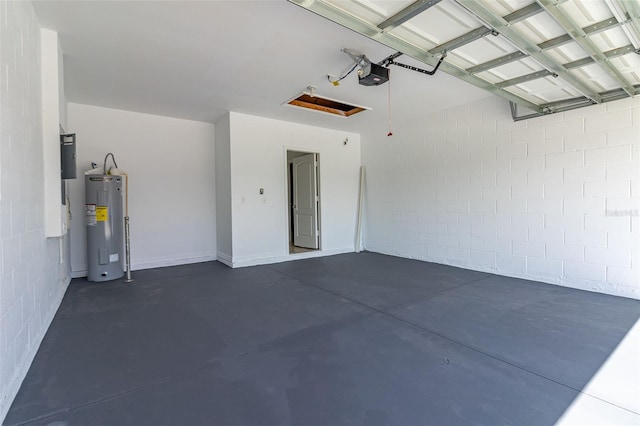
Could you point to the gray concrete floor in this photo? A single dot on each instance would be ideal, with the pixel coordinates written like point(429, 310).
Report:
point(357, 339)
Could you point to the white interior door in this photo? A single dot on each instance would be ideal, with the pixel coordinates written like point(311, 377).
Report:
point(305, 202)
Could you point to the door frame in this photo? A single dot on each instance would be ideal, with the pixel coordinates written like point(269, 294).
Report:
point(287, 201)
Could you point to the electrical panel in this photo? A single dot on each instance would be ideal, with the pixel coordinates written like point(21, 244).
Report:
point(68, 156)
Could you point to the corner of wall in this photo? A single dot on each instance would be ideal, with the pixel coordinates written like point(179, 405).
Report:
point(188, 185)
point(35, 270)
point(223, 187)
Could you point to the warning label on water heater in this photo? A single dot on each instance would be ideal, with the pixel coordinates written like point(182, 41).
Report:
point(90, 213)
point(102, 213)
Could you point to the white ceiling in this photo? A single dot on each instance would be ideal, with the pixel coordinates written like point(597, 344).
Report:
point(196, 60)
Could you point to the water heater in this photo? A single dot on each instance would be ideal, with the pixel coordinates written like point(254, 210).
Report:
point(103, 212)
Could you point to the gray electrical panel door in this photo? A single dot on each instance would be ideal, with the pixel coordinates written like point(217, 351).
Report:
point(105, 223)
point(68, 156)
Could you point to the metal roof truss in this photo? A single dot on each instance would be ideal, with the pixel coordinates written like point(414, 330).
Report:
point(575, 58)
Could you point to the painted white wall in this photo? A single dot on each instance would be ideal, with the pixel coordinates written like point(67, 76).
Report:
point(34, 272)
point(62, 98)
point(553, 198)
point(223, 189)
point(258, 160)
point(172, 187)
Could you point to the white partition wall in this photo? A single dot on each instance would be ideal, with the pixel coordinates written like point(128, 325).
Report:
point(258, 160)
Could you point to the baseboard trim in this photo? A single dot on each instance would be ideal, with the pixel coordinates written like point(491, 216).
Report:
point(156, 264)
point(225, 259)
point(584, 285)
point(228, 260)
point(171, 262)
point(266, 260)
point(79, 274)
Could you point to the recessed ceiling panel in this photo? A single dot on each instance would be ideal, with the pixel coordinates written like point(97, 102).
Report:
point(587, 12)
point(567, 53)
point(629, 65)
point(461, 60)
point(539, 28)
point(505, 7)
point(543, 85)
point(439, 25)
point(486, 49)
point(457, 13)
point(610, 39)
point(416, 36)
point(544, 90)
point(511, 70)
point(596, 77)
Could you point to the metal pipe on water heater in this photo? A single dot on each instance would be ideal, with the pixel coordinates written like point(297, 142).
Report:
point(127, 249)
point(127, 235)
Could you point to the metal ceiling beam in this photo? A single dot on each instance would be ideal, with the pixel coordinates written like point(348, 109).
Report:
point(522, 14)
point(407, 13)
point(568, 101)
point(502, 60)
point(611, 95)
point(590, 29)
point(499, 24)
point(457, 42)
point(573, 103)
point(633, 10)
point(569, 65)
point(388, 39)
point(607, 96)
point(601, 26)
point(608, 54)
point(478, 33)
point(524, 78)
point(583, 40)
point(629, 13)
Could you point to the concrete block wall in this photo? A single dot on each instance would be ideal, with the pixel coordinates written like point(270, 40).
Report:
point(554, 198)
point(34, 270)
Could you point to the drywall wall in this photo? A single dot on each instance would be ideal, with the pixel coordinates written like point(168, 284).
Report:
point(223, 189)
point(34, 272)
point(170, 163)
point(55, 213)
point(554, 198)
point(259, 160)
